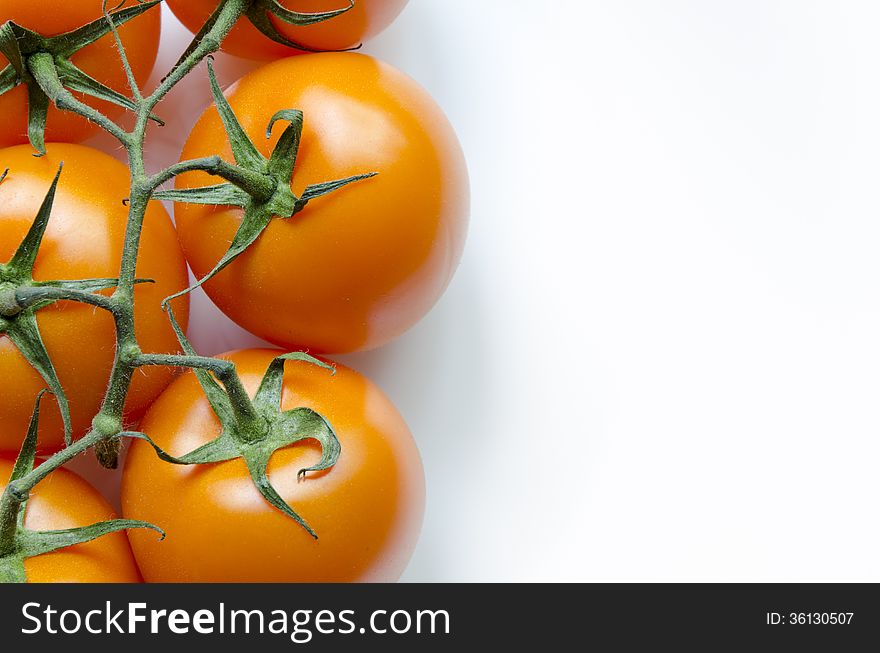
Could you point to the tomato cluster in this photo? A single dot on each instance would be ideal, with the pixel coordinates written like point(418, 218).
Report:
point(350, 271)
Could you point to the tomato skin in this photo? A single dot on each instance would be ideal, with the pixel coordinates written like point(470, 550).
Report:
point(64, 500)
point(356, 268)
point(362, 22)
point(367, 509)
point(100, 60)
point(83, 240)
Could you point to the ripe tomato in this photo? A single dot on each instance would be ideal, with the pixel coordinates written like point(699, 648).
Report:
point(100, 60)
point(83, 240)
point(367, 509)
point(64, 500)
point(358, 267)
point(362, 22)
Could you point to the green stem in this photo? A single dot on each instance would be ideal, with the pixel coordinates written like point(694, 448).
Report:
point(9, 508)
point(126, 64)
point(259, 186)
point(108, 423)
point(127, 348)
point(137, 210)
point(210, 43)
point(41, 471)
point(224, 371)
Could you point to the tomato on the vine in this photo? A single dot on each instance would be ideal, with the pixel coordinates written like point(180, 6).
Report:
point(83, 240)
point(99, 60)
point(64, 500)
point(366, 509)
point(356, 268)
point(363, 21)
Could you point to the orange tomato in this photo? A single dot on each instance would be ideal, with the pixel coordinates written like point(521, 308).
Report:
point(64, 500)
point(367, 509)
point(83, 240)
point(358, 267)
point(100, 60)
point(362, 22)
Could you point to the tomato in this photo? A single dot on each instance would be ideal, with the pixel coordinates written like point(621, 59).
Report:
point(366, 510)
point(100, 60)
point(64, 500)
point(358, 267)
point(83, 240)
point(362, 22)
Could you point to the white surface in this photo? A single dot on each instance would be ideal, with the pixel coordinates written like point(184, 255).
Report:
point(660, 359)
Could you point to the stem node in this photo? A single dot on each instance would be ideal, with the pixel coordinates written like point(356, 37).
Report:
point(106, 425)
point(9, 306)
point(129, 352)
point(17, 493)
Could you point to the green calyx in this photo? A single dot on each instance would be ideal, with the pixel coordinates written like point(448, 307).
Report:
point(259, 186)
point(21, 297)
point(44, 65)
point(260, 14)
point(252, 429)
point(18, 543)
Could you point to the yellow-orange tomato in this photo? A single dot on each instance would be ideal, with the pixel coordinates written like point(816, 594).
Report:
point(64, 500)
point(99, 60)
point(363, 21)
point(367, 509)
point(358, 267)
point(83, 240)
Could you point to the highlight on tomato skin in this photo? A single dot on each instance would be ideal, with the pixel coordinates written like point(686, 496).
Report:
point(357, 268)
point(99, 60)
point(366, 510)
point(366, 19)
point(65, 500)
point(83, 240)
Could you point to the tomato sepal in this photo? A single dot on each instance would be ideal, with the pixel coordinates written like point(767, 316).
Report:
point(29, 544)
point(25, 335)
point(14, 40)
point(287, 429)
point(8, 79)
point(268, 395)
point(22, 297)
point(259, 12)
point(225, 194)
point(251, 429)
point(43, 64)
point(301, 18)
point(17, 543)
point(70, 43)
point(76, 80)
point(260, 186)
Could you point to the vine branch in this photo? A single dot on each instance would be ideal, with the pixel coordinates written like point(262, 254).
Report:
point(108, 423)
point(53, 78)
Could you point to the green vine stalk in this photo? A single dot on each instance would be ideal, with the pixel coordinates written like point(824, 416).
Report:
point(260, 186)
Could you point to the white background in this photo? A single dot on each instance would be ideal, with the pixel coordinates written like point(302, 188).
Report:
point(660, 359)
